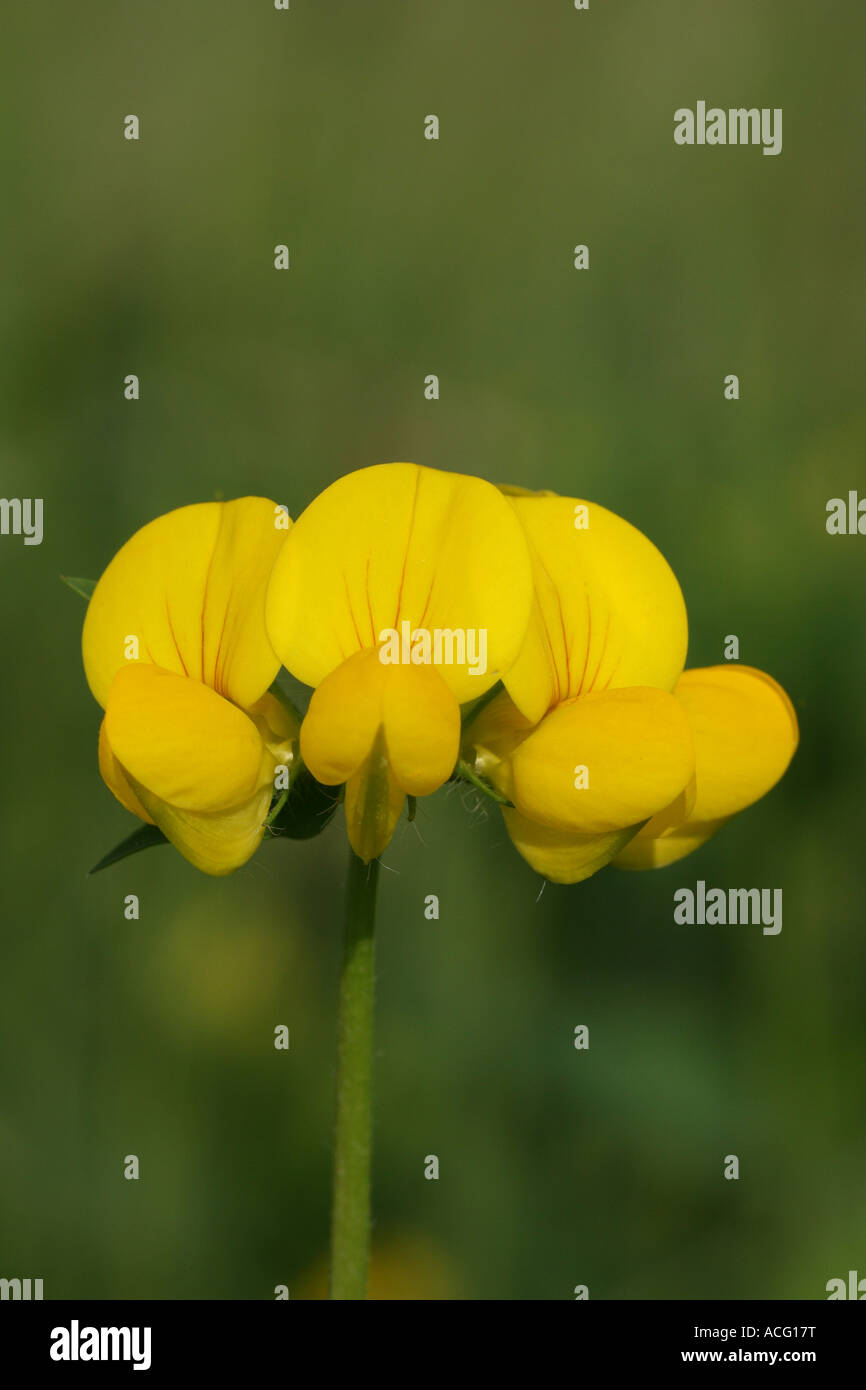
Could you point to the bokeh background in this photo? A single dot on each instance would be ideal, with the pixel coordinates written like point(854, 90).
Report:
point(410, 257)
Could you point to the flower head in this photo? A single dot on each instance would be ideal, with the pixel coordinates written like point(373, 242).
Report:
point(606, 749)
point(176, 652)
point(380, 566)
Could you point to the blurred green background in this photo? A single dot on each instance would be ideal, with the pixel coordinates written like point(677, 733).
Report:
point(411, 257)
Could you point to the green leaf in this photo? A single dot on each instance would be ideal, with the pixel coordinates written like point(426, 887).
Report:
point(84, 587)
point(306, 810)
point(142, 838)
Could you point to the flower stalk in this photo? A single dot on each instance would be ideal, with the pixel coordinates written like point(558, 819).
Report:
point(350, 1213)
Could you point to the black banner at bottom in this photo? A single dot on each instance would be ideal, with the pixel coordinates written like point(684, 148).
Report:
point(221, 1338)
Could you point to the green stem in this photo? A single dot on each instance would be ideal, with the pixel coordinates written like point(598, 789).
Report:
point(465, 773)
point(350, 1212)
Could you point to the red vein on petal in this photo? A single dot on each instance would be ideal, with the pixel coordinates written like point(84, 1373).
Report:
point(616, 667)
point(203, 610)
point(174, 639)
point(204, 599)
point(565, 650)
point(406, 551)
point(553, 666)
point(217, 674)
point(588, 643)
point(603, 650)
point(351, 610)
point(427, 601)
point(370, 604)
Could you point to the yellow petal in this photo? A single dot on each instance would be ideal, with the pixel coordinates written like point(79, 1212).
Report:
point(116, 779)
point(608, 611)
point(397, 543)
point(656, 851)
point(492, 735)
point(561, 855)
point(745, 732)
point(279, 728)
point(216, 843)
point(417, 714)
point(181, 741)
point(603, 762)
point(189, 589)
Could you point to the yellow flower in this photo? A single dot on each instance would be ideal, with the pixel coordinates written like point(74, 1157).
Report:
point(176, 652)
point(388, 588)
point(605, 747)
point(745, 733)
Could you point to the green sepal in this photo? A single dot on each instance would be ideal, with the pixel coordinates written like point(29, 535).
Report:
point(83, 587)
point(306, 810)
point(463, 772)
point(142, 838)
point(285, 700)
point(470, 711)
